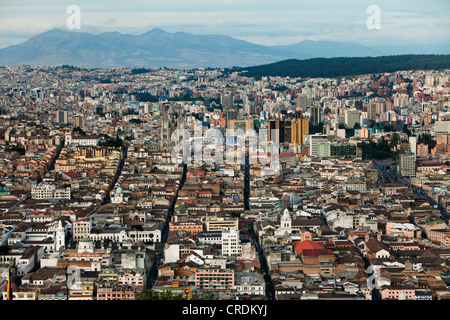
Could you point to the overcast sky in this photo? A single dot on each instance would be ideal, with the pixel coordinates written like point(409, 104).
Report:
point(258, 21)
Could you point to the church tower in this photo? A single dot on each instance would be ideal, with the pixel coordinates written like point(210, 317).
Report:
point(60, 237)
point(169, 123)
point(285, 224)
point(286, 221)
point(165, 132)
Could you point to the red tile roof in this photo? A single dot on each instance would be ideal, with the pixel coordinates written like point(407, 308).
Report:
point(300, 246)
point(317, 252)
point(72, 174)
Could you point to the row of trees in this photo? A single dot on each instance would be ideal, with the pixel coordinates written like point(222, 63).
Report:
point(151, 294)
point(335, 67)
point(379, 150)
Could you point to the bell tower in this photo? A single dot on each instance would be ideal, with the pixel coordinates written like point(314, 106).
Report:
point(60, 237)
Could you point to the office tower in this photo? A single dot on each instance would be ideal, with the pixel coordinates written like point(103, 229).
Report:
point(314, 141)
point(227, 101)
point(278, 126)
point(247, 105)
point(79, 121)
point(372, 111)
point(62, 117)
point(316, 114)
point(348, 150)
point(302, 102)
point(230, 114)
point(299, 128)
point(408, 164)
point(413, 144)
point(287, 131)
point(351, 117)
point(381, 107)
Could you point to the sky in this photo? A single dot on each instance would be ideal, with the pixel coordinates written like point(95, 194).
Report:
point(259, 21)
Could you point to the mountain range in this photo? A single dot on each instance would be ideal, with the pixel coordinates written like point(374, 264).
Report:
point(158, 48)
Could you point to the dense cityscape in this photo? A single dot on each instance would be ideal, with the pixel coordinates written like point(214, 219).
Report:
point(344, 195)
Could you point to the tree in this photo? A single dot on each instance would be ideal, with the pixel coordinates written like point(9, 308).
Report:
point(394, 140)
point(151, 294)
point(388, 127)
point(371, 123)
point(137, 227)
point(79, 131)
point(407, 131)
point(4, 250)
point(380, 150)
point(427, 139)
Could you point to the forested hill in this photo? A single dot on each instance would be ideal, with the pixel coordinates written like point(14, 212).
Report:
point(335, 67)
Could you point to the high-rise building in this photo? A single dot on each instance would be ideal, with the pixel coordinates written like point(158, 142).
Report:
point(316, 114)
point(302, 102)
point(62, 117)
point(227, 101)
point(351, 117)
point(314, 141)
point(288, 131)
point(276, 127)
point(231, 245)
point(413, 144)
point(408, 164)
point(299, 128)
point(79, 121)
point(347, 150)
point(372, 111)
point(230, 114)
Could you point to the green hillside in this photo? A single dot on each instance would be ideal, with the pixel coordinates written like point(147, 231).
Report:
point(335, 67)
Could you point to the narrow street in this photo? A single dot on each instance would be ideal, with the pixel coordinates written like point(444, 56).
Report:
point(152, 274)
point(270, 292)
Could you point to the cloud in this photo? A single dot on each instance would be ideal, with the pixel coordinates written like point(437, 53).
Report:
point(110, 22)
point(266, 22)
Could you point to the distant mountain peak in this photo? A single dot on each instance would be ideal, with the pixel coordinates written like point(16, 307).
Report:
point(159, 48)
point(156, 30)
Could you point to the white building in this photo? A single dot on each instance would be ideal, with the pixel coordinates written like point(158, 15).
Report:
point(251, 283)
point(408, 164)
point(314, 141)
point(231, 244)
point(47, 191)
point(119, 234)
point(85, 141)
point(285, 224)
point(352, 117)
point(82, 228)
point(442, 127)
